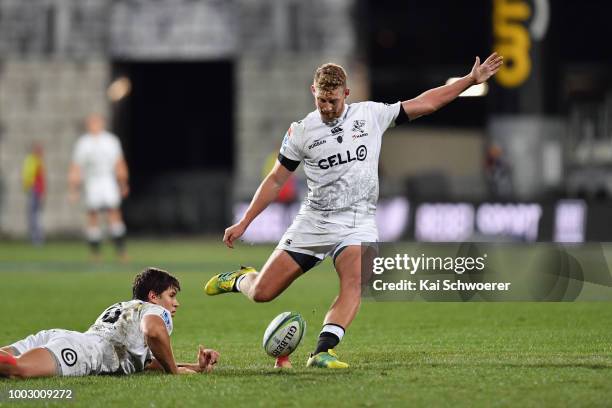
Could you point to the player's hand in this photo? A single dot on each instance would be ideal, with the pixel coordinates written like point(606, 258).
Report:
point(207, 359)
point(482, 72)
point(203, 359)
point(233, 233)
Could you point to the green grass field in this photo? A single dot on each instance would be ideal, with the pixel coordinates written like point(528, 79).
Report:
point(401, 353)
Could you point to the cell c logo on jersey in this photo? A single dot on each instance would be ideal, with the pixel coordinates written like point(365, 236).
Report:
point(362, 153)
point(340, 158)
point(69, 356)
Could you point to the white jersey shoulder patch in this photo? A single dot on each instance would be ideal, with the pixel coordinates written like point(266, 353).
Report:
point(152, 309)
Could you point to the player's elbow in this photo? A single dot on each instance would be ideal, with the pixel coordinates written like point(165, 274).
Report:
point(429, 107)
point(121, 170)
point(276, 181)
point(152, 334)
point(420, 106)
point(434, 108)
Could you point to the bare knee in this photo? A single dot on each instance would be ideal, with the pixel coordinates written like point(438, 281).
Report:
point(10, 350)
point(13, 371)
point(114, 216)
point(20, 372)
point(25, 371)
point(37, 362)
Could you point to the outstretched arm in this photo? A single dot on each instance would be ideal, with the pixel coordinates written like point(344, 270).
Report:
point(265, 194)
point(432, 100)
point(158, 340)
point(206, 362)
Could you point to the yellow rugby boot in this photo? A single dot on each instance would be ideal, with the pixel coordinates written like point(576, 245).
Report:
point(327, 359)
point(224, 282)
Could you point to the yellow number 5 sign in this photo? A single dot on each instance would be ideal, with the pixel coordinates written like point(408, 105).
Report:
point(512, 41)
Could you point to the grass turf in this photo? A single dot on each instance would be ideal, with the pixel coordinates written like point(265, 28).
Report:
point(401, 353)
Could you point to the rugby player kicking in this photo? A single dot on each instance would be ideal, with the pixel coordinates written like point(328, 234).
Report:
point(339, 144)
point(128, 337)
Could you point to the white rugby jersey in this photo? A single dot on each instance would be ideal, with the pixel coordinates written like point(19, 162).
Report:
point(340, 159)
point(119, 324)
point(97, 156)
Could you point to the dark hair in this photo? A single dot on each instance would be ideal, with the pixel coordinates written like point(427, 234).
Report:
point(153, 279)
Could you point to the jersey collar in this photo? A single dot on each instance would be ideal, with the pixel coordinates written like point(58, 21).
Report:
point(341, 118)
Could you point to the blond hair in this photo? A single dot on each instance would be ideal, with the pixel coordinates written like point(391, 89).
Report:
point(329, 77)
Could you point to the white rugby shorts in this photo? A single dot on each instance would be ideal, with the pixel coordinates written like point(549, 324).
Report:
point(102, 194)
point(324, 233)
point(76, 354)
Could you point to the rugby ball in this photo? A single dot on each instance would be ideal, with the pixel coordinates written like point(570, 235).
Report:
point(284, 334)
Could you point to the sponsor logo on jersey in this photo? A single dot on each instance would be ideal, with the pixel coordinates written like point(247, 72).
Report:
point(339, 158)
point(337, 132)
point(358, 126)
point(166, 317)
point(317, 143)
point(69, 356)
point(288, 242)
point(359, 135)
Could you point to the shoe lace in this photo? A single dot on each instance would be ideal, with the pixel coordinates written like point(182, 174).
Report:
point(225, 277)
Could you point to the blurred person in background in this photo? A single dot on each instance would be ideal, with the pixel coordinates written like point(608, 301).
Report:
point(339, 144)
point(99, 167)
point(498, 172)
point(34, 184)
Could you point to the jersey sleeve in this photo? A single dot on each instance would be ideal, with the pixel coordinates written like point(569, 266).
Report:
point(292, 151)
point(151, 309)
point(386, 114)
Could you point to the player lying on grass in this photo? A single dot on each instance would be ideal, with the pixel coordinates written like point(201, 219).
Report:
point(128, 337)
point(340, 145)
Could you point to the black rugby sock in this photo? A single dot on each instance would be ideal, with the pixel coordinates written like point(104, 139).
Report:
point(94, 246)
point(119, 242)
point(326, 341)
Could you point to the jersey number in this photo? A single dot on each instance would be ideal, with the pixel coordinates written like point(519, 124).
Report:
point(111, 315)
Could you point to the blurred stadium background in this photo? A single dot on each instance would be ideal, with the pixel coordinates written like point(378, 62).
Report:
point(201, 92)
